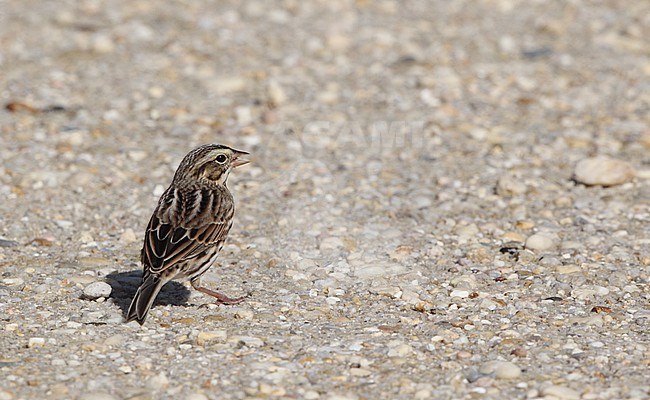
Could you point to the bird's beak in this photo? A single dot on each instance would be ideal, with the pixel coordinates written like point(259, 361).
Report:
point(238, 162)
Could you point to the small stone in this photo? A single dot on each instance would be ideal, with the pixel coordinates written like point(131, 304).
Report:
point(8, 243)
point(361, 372)
point(463, 294)
point(248, 341)
point(509, 185)
point(331, 243)
point(603, 171)
point(467, 231)
point(487, 304)
point(36, 342)
point(103, 44)
point(156, 92)
point(380, 269)
point(227, 85)
point(13, 282)
point(567, 269)
point(97, 396)
point(243, 313)
point(540, 241)
point(128, 236)
point(115, 340)
point(158, 382)
point(204, 338)
point(86, 237)
point(158, 190)
point(243, 115)
point(196, 396)
point(58, 390)
point(513, 237)
point(332, 300)
point(64, 224)
point(137, 155)
point(96, 290)
point(338, 42)
point(276, 94)
point(560, 392)
point(400, 350)
point(501, 369)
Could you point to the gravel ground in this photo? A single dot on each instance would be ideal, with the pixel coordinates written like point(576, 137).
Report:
point(448, 200)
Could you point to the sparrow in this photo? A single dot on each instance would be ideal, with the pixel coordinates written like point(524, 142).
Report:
point(189, 226)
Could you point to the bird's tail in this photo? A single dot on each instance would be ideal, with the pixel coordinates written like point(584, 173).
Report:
point(144, 298)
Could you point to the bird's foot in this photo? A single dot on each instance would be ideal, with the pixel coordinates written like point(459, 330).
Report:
point(222, 298)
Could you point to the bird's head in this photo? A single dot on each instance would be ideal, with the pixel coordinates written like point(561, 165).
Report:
point(210, 163)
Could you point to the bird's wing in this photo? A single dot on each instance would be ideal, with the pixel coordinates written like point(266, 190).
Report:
point(171, 238)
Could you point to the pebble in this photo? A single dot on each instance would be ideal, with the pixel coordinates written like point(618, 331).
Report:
point(560, 392)
point(227, 85)
point(509, 185)
point(276, 94)
point(244, 115)
point(540, 241)
point(463, 294)
point(603, 171)
point(158, 382)
point(380, 269)
point(399, 350)
point(513, 237)
point(97, 396)
point(114, 340)
point(196, 396)
point(96, 290)
point(103, 44)
point(204, 338)
point(331, 243)
point(247, 341)
point(501, 369)
point(13, 281)
point(36, 342)
point(158, 190)
point(128, 236)
point(243, 313)
point(8, 243)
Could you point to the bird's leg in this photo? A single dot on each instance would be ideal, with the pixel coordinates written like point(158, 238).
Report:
point(221, 298)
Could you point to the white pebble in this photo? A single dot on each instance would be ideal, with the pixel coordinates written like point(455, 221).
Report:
point(244, 115)
point(603, 171)
point(36, 342)
point(158, 190)
point(463, 294)
point(501, 369)
point(276, 94)
point(332, 300)
point(249, 341)
point(561, 392)
point(158, 382)
point(128, 236)
point(401, 350)
point(210, 336)
point(96, 396)
point(96, 290)
point(540, 241)
point(196, 396)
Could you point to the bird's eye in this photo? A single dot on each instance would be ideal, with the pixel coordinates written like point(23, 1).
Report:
point(221, 158)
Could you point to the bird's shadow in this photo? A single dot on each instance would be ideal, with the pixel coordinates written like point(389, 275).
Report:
point(125, 284)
